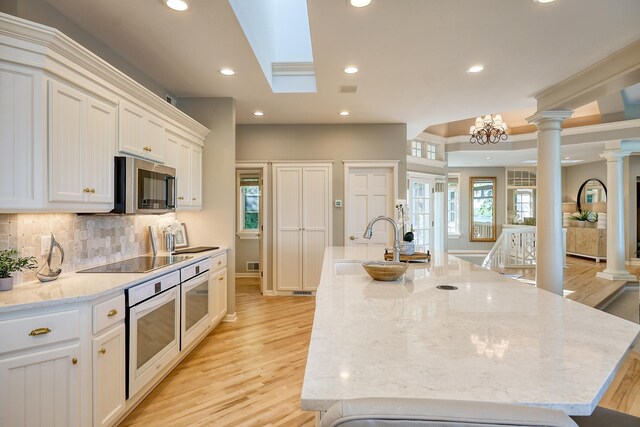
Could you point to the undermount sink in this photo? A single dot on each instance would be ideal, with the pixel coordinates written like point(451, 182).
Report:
point(348, 268)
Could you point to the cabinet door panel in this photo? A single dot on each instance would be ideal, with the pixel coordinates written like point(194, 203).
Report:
point(67, 121)
point(196, 175)
point(183, 171)
point(17, 113)
point(101, 146)
point(315, 223)
point(131, 129)
point(41, 388)
point(222, 294)
point(156, 139)
point(109, 376)
point(288, 237)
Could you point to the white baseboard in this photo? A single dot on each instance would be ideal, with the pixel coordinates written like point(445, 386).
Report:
point(247, 275)
point(232, 317)
point(268, 293)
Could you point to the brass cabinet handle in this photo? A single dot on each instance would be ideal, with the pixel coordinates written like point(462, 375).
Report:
point(147, 149)
point(219, 262)
point(86, 190)
point(112, 312)
point(220, 278)
point(93, 190)
point(74, 361)
point(180, 198)
point(352, 237)
point(102, 350)
point(193, 198)
point(39, 331)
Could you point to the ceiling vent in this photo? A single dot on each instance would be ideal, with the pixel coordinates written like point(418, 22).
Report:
point(348, 89)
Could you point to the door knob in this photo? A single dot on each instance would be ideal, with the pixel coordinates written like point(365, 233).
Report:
point(352, 238)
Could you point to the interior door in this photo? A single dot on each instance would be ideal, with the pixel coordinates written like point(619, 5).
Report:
point(420, 199)
point(369, 193)
point(288, 213)
point(315, 223)
point(261, 254)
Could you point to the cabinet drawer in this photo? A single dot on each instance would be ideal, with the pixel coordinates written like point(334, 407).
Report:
point(218, 262)
point(33, 331)
point(108, 313)
point(194, 269)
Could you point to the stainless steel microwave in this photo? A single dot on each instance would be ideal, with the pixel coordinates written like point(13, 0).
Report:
point(143, 187)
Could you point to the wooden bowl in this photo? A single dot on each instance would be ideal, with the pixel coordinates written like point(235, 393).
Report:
point(385, 271)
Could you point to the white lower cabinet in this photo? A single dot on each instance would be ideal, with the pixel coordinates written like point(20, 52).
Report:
point(109, 364)
point(219, 284)
point(41, 388)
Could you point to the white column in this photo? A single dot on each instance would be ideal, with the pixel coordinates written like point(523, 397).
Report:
point(549, 240)
point(616, 269)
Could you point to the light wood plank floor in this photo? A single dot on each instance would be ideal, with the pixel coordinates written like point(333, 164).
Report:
point(249, 373)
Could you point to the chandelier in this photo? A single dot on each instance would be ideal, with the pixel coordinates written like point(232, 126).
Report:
point(488, 130)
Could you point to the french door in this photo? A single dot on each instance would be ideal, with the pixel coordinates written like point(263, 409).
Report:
point(421, 199)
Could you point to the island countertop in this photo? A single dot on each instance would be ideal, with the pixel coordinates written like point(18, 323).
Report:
point(493, 339)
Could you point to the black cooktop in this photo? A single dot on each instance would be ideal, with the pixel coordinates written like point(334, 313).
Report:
point(141, 264)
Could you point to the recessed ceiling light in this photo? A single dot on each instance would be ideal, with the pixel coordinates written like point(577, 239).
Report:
point(344, 113)
point(227, 71)
point(488, 158)
point(351, 70)
point(475, 69)
point(359, 3)
point(543, 1)
point(467, 164)
point(258, 113)
point(179, 5)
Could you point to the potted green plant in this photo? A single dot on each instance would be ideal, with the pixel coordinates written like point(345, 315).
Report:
point(583, 217)
point(10, 262)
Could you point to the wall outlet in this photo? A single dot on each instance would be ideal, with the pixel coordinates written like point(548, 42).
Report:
point(45, 244)
point(338, 203)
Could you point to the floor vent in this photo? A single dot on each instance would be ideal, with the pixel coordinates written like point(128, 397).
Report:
point(302, 293)
point(348, 89)
point(253, 266)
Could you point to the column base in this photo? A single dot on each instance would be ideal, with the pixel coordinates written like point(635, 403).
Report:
point(617, 275)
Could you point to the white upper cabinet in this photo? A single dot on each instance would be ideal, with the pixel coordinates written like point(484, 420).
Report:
point(186, 157)
point(65, 113)
point(21, 160)
point(141, 133)
point(82, 132)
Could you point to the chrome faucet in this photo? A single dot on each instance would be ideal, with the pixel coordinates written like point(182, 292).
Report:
point(396, 244)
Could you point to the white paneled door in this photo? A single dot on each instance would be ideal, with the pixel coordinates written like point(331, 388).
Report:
point(420, 202)
point(302, 208)
point(369, 193)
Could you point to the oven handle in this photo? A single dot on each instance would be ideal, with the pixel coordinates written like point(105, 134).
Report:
point(154, 302)
point(172, 180)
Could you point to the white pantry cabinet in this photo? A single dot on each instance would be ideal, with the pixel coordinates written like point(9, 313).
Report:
point(82, 142)
point(302, 223)
point(141, 133)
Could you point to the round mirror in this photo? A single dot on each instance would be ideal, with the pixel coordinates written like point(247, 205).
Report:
point(591, 191)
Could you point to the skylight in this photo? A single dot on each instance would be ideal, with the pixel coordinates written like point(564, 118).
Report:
point(278, 32)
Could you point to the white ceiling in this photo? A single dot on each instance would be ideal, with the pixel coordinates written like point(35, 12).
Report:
point(413, 54)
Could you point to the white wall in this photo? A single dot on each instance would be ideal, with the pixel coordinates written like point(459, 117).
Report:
point(215, 224)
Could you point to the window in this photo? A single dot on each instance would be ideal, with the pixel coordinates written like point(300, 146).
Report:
point(453, 205)
point(431, 151)
point(524, 203)
point(416, 148)
point(248, 205)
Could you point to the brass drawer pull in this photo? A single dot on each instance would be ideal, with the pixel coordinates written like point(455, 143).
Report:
point(86, 190)
point(180, 198)
point(74, 361)
point(39, 331)
point(112, 312)
point(102, 350)
point(93, 190)
point(220, 278)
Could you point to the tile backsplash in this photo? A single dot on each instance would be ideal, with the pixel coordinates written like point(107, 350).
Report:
point(87, 240)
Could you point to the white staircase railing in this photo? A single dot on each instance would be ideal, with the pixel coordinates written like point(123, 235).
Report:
point(515, 247)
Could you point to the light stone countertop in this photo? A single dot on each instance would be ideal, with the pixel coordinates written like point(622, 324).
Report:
point(76, 287)
point(494, 339)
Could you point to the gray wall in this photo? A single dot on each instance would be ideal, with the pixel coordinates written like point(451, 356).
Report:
point(574, 176)
point(323, 142)
point(463, 242)
point(247, 250)
point(215, 224)
point(43, 13)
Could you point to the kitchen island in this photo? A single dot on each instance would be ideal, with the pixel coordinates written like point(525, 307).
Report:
point(492, 339)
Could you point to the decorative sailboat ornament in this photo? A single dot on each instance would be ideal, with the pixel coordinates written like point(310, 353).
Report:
point(47, 273)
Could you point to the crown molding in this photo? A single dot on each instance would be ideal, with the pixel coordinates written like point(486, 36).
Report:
point(54, 52)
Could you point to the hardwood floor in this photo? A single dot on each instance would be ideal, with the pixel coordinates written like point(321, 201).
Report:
point(249, 373)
